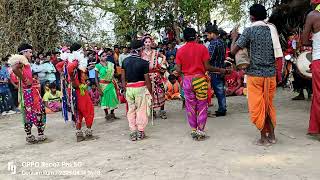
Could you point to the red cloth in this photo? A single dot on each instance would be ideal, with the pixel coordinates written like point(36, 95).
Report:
point(26, 75)
point(170, 35)
point(192, 57)
point(85, 109)
point(232, 79)
point(54, 59)
point(315, 1)
point(279, 67)
point(13, 78)
point(314, 123)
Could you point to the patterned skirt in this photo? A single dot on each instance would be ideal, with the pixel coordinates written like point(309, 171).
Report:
point(158, 91)
point(33, 106)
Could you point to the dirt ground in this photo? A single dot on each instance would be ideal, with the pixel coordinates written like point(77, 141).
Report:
point(168, 152)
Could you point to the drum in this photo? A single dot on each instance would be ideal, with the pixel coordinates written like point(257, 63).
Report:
point(303, 64)
point(242, 59)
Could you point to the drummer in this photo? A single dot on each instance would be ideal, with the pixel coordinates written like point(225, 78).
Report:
point(313, 26)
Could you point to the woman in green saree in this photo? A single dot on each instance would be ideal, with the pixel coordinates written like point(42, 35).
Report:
point(104, 80)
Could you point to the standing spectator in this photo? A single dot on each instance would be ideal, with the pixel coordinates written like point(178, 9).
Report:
point(14, 84)
point(116, 54)
point(123, 55)
point(217, 55)
point(37, 67)
point(49, 69)
point(171, 50)
point(6, 101)
point(91, 65)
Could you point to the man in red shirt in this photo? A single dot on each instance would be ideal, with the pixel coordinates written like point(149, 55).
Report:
point(193, 61)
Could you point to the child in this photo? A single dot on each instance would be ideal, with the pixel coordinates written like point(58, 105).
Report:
point(52, 99)
point(36, 81)
point(233, 82)
point(171, 63)
point(46, 87)
point(95, 95)
point(172, 88)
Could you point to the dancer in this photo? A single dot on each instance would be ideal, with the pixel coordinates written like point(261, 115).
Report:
point(158, 93)
point(313, 25)
point(106, 86)
point(32, 107)
point(193, 62)
point(137, 84)
point(263, 41)
point(74, 71)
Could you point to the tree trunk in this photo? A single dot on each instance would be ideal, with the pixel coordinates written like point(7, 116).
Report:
point(175, 24)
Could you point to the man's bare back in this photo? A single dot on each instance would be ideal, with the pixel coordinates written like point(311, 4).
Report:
point(312, 26)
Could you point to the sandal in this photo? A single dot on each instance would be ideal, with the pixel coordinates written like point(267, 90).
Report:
point(79, 135)
point(31, 139)
point(113, 117)
point(108, 117)
point(133, 136)
point(41, 137)
point(201, 135)
point(141, 135)
point(163, 114)
point(194, 134)
point(88, 133)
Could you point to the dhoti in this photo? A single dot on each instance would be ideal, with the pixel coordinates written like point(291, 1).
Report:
point(314, 123)
point(261, 91)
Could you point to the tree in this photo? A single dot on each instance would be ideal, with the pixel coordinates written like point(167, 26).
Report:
point(37, 22)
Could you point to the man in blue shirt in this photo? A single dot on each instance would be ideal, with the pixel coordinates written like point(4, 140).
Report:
point(6, 101)
point(172, 51)
point(217, 57)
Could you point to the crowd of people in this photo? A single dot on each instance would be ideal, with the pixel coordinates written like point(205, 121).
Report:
point(146, 74)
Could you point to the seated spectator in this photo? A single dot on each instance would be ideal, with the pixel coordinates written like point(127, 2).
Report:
point(95, 95)
point(52, 99)
point(172, 88)
point(233, 82)
point(46, 87)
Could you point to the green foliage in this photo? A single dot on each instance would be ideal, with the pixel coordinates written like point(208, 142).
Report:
point(36, 22)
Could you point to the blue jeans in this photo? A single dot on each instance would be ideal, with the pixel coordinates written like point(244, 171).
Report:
point(6, 101)
point(218, 87)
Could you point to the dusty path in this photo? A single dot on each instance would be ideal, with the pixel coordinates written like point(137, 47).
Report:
point(168, 152)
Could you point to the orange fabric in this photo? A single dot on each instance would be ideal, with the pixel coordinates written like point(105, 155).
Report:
point(261, 91)
point(119, 70)
point(173, 91)
point(210, 91)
